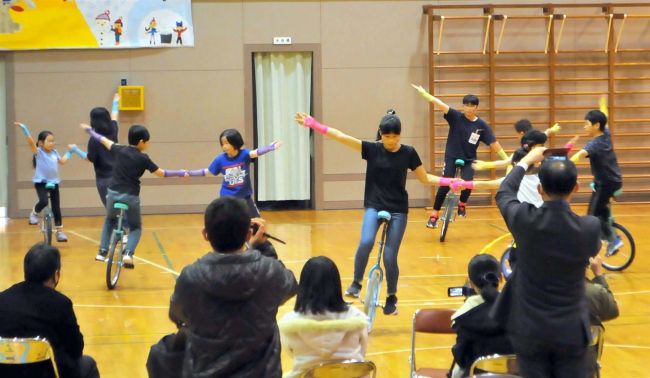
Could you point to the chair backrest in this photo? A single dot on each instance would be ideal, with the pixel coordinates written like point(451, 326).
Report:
point(431, 320)
point(342, 369)
point(495, 364)
point(597, 342)
point(16, 351)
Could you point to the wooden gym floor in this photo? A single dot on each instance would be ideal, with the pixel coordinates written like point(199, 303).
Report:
point(120, 325)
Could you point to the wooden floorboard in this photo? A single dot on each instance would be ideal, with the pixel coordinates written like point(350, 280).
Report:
point(119, 326)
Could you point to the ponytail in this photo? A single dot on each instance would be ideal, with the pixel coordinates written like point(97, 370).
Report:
point(488, 285)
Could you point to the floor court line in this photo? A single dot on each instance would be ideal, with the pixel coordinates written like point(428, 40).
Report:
point(175, 273)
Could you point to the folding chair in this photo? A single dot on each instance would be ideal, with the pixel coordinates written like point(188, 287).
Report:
point(499, 364)
point(342, 369)
point(18, 351)
point(432, 320)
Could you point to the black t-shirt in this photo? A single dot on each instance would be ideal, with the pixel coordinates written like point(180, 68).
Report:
point(464, 135)
point(130, 164)
point(102, 158)
point(386, 176)
point(604, 166)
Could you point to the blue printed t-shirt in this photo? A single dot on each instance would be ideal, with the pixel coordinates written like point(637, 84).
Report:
point(235, 171)
point(386, 176)
point(464, 135)
point(604, 166)
point(47, 166)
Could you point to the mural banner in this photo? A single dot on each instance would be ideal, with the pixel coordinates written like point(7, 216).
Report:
point(95, 24)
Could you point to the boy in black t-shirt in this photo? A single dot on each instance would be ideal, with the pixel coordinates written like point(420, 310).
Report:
point(129, 165)
point(607, 175)
point(466, 130)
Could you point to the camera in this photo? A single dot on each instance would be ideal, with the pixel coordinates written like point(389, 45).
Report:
point(254, 228)
point(556, 153)
point(460, 291)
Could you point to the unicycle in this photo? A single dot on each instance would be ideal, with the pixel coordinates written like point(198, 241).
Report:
point(376, 274)
point(622, 257)
point(47, 224)
point(115, 248)
point(451, 201)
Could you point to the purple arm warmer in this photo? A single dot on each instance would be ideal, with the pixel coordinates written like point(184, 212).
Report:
point(95, 135)
point(266, 149)
point(176, 173)
point(196, 172)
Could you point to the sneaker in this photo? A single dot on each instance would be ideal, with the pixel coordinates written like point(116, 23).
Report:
point(354, 290)
point(34, 218)
point(613, 246)
point(462, 211)
point(433, 222)
point(390, 307)
point(125, 238)
point(101, 255)
point(127, 260)
point(61, 237)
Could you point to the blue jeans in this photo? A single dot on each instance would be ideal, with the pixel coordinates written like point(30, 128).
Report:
point(394, 236)
point(133, 217)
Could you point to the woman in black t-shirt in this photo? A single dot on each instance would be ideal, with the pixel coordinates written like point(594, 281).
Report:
point(388, 162)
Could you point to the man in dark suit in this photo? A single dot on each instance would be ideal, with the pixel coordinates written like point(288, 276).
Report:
point(34, 308)
point(543, 306)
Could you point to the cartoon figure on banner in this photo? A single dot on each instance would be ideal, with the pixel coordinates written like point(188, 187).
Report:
point(117, 29)
point(179, 29)
point(7, 24)
point(103, 21)
point(152, 29)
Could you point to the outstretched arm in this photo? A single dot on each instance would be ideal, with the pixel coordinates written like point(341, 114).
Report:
point(496, 147)
point(579, 155)
point(481, 165)
point(27, 135)
point(429, 179)
point(431, 98)
point(339, 136)
point(266, 149)
point(553, 130)
point(73, 149)
point(115, 110)
point(93, 134)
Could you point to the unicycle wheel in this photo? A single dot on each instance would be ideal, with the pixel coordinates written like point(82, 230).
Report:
point(372, 297)
point(114, 260)
point(621, 258)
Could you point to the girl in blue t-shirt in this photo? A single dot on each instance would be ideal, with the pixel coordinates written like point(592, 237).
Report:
point(46, 162)
point(234, 165)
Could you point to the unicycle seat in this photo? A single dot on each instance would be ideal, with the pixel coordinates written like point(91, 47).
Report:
point(121, 206)
point(459, 163)
point(50, 185)
point(384, 215)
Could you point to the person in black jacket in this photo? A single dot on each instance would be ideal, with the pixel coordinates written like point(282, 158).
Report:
point(34, 308)
point(107, 125)
point(543, 305)
point(476, 333)
point(227, 301)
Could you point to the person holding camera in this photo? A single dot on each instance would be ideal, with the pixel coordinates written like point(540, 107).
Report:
point(543, 305)
point(476, 333)
point(227, 301)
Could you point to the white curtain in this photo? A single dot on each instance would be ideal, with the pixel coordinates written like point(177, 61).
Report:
point(282, 88)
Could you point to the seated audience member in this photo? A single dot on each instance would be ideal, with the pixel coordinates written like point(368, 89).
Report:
point(322, 326)
point(227, 301)
point(601, 304)
point(476, 333)
point(34, 308)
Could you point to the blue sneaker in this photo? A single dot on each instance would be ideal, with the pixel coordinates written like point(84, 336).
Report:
point(613, 246)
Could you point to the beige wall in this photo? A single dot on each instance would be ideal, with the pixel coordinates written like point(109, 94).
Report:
point(370, 52)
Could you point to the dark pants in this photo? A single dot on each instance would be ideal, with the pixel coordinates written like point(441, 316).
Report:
point(102, 187)
point(42, 201)
point(466, 173)
point(252, 207)
point(599, 205)
point(539, 359)
point(88, 367)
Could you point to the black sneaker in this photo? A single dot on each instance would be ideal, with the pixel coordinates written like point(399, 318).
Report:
point(462, 211)
point(433, 221)
point(354, 290)
point(390, 308)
